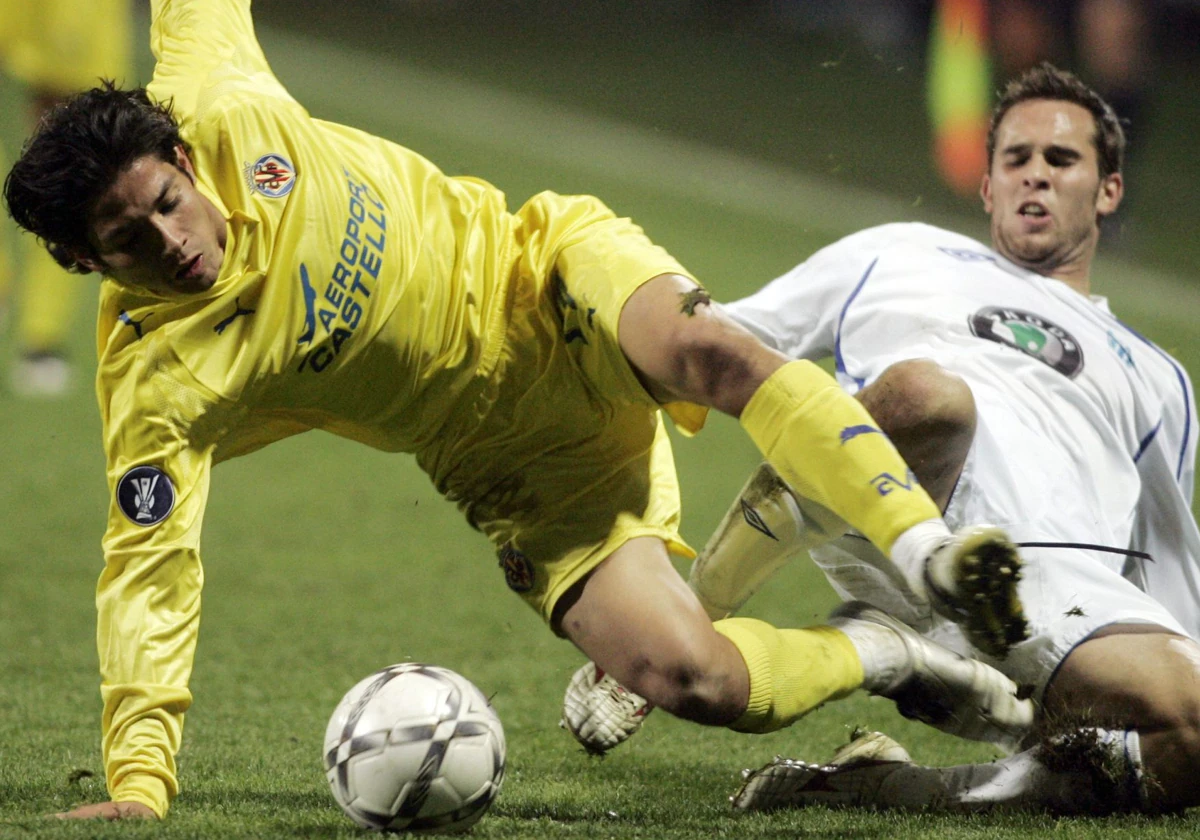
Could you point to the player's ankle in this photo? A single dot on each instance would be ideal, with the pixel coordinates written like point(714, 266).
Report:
point(913, 549)
point(886, 660)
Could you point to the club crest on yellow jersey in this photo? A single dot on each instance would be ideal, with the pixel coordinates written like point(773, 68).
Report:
point(272, 175)
point(518, 571)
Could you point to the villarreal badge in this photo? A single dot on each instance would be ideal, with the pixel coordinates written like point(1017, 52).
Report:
point(518, 571)
point(272, 175)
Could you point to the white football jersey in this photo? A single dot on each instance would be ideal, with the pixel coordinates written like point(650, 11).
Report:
point(1095, 421)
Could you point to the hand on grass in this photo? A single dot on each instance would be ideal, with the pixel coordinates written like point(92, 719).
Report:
point(109, 811)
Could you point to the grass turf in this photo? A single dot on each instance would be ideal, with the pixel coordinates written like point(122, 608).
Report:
point(325, 561)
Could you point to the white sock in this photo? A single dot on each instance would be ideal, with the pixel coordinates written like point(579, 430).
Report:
point(1088, 771)
point(913, 548)
point(885, 659)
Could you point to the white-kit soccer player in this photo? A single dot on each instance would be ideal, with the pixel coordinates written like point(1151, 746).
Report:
point(1018, 398)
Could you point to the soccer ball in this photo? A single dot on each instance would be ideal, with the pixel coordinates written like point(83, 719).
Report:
point(414, 748)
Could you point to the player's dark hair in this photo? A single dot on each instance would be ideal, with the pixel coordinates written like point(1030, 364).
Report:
point(76, 152)
point(1046, 81)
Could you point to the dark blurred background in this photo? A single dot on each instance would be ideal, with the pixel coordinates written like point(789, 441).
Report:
point(839, 90)
point(743, 134)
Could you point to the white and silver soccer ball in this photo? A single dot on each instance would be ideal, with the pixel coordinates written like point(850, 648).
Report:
point(415, 748)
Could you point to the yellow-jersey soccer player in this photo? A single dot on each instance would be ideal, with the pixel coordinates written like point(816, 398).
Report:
point(267, 273)
point(53, 48)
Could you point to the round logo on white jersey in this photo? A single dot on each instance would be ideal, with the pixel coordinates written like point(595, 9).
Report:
point(145, 495)
point(272, 175)
point(1032, 334)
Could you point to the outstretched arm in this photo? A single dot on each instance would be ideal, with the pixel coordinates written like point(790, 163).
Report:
point(148, 596)
point(205, 50)
point(148, 606)
point(109, 811)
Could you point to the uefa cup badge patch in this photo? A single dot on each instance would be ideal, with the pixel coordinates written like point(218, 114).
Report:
point(272, 175)
point(518, 571)
point(145, 495)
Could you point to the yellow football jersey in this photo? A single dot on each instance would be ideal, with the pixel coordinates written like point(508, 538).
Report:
point(365, 293)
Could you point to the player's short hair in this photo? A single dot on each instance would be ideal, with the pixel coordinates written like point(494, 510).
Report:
point(1045, 81)
point(76, 153)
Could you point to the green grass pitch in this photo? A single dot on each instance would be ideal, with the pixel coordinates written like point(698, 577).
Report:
point(325, 560)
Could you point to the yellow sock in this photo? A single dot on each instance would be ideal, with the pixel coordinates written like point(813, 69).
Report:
point(829, 449)
point(792, 672)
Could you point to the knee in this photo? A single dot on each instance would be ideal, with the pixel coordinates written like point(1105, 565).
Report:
point(1136, 677)
point(1179, 711)
point(1171, 757)
point(918, 395)
point(1168, 722)
point(689, 685)
point(1167, 700)
point(1179, 721)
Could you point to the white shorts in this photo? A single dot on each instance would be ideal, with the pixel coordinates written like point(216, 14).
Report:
point(1017, 479)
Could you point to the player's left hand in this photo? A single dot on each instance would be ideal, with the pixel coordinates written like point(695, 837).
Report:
point(109, 811)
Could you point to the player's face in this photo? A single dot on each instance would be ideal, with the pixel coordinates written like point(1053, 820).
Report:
point(154, 230)
point(1043, 188)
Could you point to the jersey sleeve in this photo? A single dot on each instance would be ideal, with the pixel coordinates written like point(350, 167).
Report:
point(1187, 466)
point(148, 597)
point(799, 313)
point(206, 50)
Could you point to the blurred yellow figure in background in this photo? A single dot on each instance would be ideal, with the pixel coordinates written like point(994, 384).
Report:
point(53, 48)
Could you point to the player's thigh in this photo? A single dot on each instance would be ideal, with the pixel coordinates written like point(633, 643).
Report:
point(1139, 677)
point(635, 594)
point(575, 490)
point(1129, 675)
point(1043, 474)
point(1069, 502)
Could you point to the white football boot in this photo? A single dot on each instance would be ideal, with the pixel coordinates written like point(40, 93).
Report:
point(599, 711)
point(851, 778)
point(932, 684)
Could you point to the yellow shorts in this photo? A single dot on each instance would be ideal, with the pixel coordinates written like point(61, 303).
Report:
point(62, 46)
point(565, 457)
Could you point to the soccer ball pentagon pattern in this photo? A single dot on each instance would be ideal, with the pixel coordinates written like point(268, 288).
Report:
point(414, 748)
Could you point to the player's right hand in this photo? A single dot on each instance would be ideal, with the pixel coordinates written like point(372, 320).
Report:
point(109, 811)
